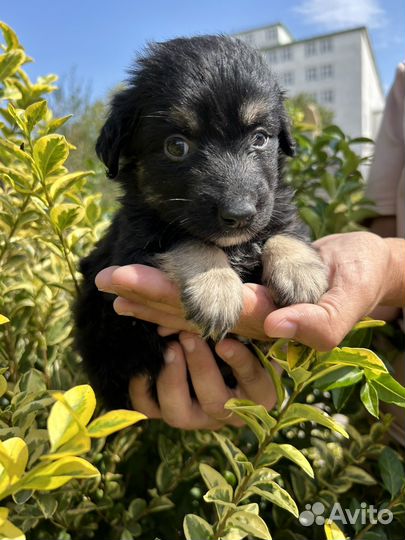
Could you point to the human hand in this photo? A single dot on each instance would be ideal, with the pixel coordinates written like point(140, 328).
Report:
point(178, 409)
point(147, 293)
point(365, 271)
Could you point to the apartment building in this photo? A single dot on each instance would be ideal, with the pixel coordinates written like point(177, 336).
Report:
point(338, 70)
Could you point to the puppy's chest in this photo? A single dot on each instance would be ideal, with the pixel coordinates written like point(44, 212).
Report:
point(246, 261)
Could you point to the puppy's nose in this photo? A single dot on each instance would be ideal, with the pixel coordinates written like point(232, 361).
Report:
point(237, 216)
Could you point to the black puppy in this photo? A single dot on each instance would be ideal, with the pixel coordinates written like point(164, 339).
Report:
point(196, 140)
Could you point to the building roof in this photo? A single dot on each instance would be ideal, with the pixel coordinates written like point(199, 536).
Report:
point(265, 27)
point(362, 29)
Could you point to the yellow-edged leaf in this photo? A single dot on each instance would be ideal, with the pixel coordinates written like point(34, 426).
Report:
point(8, 531)
point(275, 451)
point(113, 421)
point(3, 385)
point(358, 357)
point(332, 531)
point(70, 414)
point(249, 523)
point(211, 477)
point(368, 322)
point(17, 451)
point(79, 444)
point(50, 152)
point(301, 412)
point(3, 515)
point(51, 475)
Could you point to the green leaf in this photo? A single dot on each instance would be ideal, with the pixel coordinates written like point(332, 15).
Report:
point(299, 412)
point(196, 528)
point(113, 421)
point(221, 495)
point(249, 523)
point(65, 215)
point(60, 184)
point(35, 113)
point(10, 62)
point(387, 388)
point(345, 376)
point(237, 459)
point(358, 476)
point(275, 451)
point(275, 376)
point(277, 495)
point(369, 397)
point(211, 477)
point(50, 153)
point(392, 471)
point(255, 416)
point(357, 357)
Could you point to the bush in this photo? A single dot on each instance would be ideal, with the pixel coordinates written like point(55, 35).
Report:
point(259, 478)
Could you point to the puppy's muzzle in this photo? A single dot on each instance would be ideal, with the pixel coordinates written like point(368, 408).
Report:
point(237, 216)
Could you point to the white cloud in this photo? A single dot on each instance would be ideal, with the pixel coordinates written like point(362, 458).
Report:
point(336, 14)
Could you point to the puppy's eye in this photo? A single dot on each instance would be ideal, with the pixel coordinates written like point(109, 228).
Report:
point(260, 139)
point(176, 147)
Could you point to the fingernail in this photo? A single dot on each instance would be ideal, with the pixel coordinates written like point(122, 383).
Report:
point(285, 329)
point(188, 344)
point(169, 355)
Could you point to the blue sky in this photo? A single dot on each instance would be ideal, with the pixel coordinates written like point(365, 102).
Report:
point(100, 37)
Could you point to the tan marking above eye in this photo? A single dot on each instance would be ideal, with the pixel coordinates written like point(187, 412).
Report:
point(184, 117)
point(253, 111)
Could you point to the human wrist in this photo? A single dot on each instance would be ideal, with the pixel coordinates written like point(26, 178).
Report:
point(394, 284)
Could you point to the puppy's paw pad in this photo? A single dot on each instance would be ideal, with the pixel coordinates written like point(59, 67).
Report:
point(213, 301)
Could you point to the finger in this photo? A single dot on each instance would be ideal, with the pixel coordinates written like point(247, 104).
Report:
point(141, 280)
point(165, 331)
point(122, 306)
point(257, 304)
point(321, 326)
point(141, 398)
point(177, 407)
point(253, 381)
point(209, 385)
point(103, 279)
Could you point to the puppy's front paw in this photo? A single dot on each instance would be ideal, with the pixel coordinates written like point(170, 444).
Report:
point(213, 301)
point(293, 271)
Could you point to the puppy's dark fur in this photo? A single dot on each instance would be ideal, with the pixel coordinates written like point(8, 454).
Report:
point(213, 218)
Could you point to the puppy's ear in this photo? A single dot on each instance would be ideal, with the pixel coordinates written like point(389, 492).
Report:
point(285, 140)
point(118, 130)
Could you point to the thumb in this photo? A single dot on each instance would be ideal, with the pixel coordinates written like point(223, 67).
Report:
point(321, 326)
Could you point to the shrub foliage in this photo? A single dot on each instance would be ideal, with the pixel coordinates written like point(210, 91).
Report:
point(150, 480)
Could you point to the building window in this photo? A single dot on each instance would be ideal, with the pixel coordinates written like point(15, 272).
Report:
point(326, 71)
point(271, 57)
point(310, 48)
point(287, 78)
point(286, 53)
point(326, 45)
point(249, 39)
point(327, 97)
point(311, 74)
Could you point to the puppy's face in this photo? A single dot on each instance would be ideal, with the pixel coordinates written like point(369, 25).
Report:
point(198, 134)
